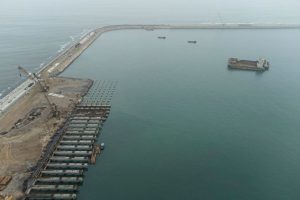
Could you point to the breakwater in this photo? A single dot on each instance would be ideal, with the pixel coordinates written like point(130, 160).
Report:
point(63, 60)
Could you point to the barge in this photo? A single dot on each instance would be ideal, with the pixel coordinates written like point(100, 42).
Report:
point(259, 65)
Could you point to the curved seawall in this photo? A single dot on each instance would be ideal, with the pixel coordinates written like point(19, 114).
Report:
point(63, 60)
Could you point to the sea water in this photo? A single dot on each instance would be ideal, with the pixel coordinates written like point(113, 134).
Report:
point(33, 32)
point(183, 126)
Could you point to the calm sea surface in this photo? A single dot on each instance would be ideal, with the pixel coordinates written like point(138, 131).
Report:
point(32, 32)
point(182, 125)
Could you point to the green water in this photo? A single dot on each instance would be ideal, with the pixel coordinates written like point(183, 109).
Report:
point(183, 126)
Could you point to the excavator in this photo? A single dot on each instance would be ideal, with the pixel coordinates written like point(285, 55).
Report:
point(43, 87)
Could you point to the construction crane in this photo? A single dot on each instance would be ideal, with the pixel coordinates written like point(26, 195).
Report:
point(43, 86)
point(34, 77)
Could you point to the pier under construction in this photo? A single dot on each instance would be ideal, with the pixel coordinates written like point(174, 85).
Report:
point(60, 171)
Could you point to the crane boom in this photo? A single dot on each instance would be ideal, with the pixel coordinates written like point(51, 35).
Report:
point(33, 77)
point(43, 87)
point(24, 72)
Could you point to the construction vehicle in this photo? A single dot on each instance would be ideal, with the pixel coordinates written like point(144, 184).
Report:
point(43, 87)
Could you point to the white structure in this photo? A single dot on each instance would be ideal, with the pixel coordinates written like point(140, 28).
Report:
point(14, 95)
point(263, 64)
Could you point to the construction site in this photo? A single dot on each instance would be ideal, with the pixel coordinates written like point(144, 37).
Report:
point(49, 139)
point(60, 171)
point(31, 116)
point(27, 128)
point(49, 124)
point(49, 129)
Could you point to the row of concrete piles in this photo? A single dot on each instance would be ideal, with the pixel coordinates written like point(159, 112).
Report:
point(63, 173)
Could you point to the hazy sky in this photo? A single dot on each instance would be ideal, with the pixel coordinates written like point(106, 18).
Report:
point(156, 10)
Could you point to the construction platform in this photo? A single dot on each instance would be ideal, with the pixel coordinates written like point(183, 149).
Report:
point(60, 171)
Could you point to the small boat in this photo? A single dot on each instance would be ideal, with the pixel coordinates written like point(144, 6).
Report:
point(102, 146)
point(192, 41)
point(162, 37)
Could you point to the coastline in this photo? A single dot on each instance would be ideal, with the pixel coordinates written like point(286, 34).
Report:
point(69, 55)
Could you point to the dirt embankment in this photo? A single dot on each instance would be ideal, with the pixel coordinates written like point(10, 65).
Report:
point(27, 127)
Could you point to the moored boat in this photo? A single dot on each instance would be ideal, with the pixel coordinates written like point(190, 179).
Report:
point(258, 65)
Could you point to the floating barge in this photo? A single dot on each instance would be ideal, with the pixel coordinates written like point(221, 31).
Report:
point(259, 65)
